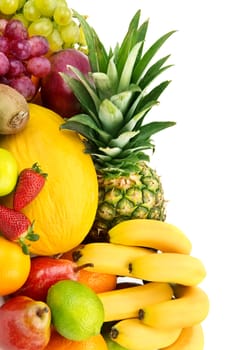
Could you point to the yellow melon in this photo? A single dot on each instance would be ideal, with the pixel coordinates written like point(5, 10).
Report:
point(65, 209)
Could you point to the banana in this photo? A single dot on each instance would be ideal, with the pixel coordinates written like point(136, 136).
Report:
point(125, 303)
point(108, 257)
point(191, 338)
point(190, 307)
point(132, 334)
point(168, 267)
point(152, 234)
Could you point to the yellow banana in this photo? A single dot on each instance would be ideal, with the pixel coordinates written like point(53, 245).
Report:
point(150, 233)
point(190, 307)
point(125, 303)
point(108, 257)
point(191, 338)
point(168, 267)
point(132, 334)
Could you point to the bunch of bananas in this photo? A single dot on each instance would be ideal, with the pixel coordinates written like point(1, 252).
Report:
point(166, 309)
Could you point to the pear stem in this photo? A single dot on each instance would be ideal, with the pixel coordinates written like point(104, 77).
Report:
point(41, 311)
point(79, 268)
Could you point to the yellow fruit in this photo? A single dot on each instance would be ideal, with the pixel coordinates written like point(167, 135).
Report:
point(64, 210)
point(14, 267)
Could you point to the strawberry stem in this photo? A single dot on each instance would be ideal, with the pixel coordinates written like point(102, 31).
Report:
point(31, 236)
point(36, 167)
point(24, 246)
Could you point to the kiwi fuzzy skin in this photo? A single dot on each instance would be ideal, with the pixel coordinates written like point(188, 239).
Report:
point(14, 110)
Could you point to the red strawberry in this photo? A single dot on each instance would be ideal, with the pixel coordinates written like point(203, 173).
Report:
point(29, 184)
point(16, 227)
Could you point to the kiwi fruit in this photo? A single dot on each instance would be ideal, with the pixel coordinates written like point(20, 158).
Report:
point(14, 110)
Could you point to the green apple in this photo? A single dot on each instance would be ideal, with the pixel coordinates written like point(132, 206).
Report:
point(8, 172)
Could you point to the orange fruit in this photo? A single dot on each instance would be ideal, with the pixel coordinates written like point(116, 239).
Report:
point(58, 342)
point(99, 282)
point(14, 266)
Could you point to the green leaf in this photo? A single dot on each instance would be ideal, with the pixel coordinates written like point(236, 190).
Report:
point(112, 74)
point(128, 68)
point(123, 139)
point(132, 122)
point(128, 42)
point(153, 95)
point(32, 237)
point(97, 54)
point(103, 85)
point(142, 31)
point(111, 151)
point(146, 131)
point(147, 57)
point(87, 86)
point(110, 116)
point(81, 93)
point(122, 100)
point(86, 121)
point(88, 133)
point(154, 71)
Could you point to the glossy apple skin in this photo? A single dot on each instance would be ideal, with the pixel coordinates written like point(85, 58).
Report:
point(25, 324)
point(44, 272)
point(55, 94)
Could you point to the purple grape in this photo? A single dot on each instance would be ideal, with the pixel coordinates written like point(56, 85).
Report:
point(15, 30)
point(38, 66)
point(20, 49)
point(25, 86)
point(16, 69)
point(4, 44)
point(4, 80)
point(4, 64)
point(39, 45)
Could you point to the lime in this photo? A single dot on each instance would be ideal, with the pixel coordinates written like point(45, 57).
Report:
point(77, 312)
point(8, 172)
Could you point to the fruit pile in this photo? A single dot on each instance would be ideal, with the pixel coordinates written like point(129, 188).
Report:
point(87, 258)
point(29, 31)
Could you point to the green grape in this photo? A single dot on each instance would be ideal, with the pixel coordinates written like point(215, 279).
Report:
point(55, 40)
point(21, 4)
point(43, 26)
point(46, 7)
point(70, 33)
point(30, 11)
point(62, 15)
point(21, 18)
point(8, 7)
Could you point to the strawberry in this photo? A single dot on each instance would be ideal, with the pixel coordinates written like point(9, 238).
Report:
point(29, 184)
point(16, 227)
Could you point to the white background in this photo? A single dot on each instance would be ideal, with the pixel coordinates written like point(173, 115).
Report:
point(204, 159)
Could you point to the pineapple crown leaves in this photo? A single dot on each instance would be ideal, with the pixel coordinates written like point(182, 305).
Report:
point(115, 97)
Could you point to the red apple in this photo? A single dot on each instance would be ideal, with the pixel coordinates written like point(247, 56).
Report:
point(55, 94)
point(24, 324)
point(44, 272)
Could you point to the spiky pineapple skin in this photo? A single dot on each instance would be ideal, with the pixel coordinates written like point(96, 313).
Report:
point(127, 196)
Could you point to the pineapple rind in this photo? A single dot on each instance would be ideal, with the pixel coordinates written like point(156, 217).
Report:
point(122, 197)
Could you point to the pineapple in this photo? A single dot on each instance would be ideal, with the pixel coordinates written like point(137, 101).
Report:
point(115, 101)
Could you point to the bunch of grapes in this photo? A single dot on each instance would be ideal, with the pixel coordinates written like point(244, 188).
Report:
point(49, 18)
point(22, 57)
